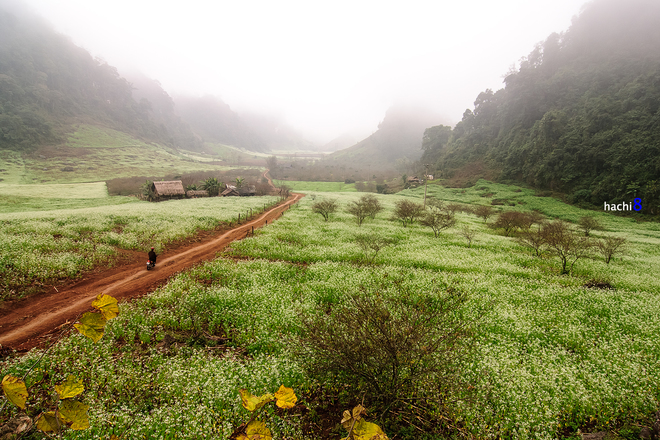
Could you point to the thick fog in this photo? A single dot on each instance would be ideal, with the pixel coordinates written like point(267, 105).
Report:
point(326, 67)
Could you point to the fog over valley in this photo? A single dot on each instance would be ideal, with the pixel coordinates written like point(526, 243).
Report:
point(326, 69)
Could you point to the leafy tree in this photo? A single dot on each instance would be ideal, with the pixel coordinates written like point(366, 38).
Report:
point(325, 208)
point(147, 191)
point(212, 185)
point(407, 211)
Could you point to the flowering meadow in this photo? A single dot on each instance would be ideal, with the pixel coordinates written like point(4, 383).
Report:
point(43, 247)
point(550, 355)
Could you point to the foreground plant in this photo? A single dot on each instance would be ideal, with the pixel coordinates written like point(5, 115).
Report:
point(360, 429)
point(254, 429)
point(68, 412)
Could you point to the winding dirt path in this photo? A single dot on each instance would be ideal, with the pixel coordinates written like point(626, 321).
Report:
point(31, 322)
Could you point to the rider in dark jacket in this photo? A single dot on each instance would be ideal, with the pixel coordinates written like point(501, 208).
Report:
point(152, 255)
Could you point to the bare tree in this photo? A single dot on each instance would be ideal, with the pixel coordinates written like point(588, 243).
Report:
point(484, 211)
point(468, 233)
point(533, 238)
point(510, 221)
point(438, 218)
point(565, 243)
point(588, 224)
point(325, 208)
point(407, 211)
point(611, 246)
point(284, 191)
point(371, 244)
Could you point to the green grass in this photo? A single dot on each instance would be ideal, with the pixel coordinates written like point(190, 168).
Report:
point(308, 187)
point(551, 356)
point(96, 190)
point(91, 136)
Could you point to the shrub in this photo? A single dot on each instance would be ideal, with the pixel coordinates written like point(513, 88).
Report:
point(371, 244)
point(395, 347)
point(325, 208)
point(484, 212)
point(565, 243)
point(588, 224)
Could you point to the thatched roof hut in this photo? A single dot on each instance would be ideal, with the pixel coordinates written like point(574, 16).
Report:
point(168, 188)
point(197, 193)
point(230, 191)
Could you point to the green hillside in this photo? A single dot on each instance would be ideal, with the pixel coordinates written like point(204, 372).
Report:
point(47, 85)
point(581, 115)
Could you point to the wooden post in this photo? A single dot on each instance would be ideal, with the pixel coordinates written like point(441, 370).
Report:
point(239, 217)
point(252, 230)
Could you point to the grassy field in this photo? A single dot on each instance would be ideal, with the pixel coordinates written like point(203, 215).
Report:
point(94, 153)
point(549, 355)
point(309, 187)
point(46, 246)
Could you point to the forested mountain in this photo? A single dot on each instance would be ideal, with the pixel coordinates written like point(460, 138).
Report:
point(215, 121)
point(581, 115)
point(47, 84)
point(397, 138)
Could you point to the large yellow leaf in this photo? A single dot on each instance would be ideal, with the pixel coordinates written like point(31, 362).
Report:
point(364, 430)
point(286, 398)
point(74, 414)
point(107, 305)
point(47, 422)
point(15, 390)
point(256, 430)
point(71, 387)
point(92, 325)
point(252, 403)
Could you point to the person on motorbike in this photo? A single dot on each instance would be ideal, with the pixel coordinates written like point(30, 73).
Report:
point(152, 256)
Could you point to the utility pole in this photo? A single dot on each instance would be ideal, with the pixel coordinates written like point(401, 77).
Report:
point(426, 180)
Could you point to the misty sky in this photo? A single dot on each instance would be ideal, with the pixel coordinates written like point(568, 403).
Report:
point(326, 66)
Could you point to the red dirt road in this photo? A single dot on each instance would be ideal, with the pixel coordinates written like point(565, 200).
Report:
point(31, 322)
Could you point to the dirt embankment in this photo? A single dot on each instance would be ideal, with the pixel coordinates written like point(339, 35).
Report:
point(31, 322)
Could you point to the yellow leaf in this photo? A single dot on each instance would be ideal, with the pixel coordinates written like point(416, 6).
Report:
point(257, 430)
point(74, 414)
point(114, 437)
point(356, 415)
point(92, 325)
point(15, 390)
point(47, 422)
point(71, 387)
point(252, 403)
point(107, 305)
point(364, 430)
point(286, 398)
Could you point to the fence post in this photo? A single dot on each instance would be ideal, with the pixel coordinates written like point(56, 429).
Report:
point(239, 217)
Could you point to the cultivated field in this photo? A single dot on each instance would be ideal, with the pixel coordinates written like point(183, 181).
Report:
point(548, 355)
point(49, 246)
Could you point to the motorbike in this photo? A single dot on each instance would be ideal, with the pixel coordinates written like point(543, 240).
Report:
point(150, 264)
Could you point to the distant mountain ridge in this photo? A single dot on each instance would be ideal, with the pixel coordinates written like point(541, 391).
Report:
point(581, 115)
point(399, 137)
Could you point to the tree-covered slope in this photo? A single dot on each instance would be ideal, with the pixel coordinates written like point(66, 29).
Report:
point(580, 115)
point(47, 84)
